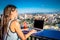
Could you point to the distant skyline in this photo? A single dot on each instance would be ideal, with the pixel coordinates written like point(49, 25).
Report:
point(32, 6)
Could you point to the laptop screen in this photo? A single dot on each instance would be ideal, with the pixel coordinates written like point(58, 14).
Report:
point(38, 24)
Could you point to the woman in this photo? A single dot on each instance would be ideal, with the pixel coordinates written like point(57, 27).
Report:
point(12, 30)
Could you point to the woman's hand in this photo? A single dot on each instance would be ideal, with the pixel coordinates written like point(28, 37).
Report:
point(33, 31)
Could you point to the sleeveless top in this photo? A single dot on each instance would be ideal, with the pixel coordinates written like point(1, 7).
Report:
point(11, 35)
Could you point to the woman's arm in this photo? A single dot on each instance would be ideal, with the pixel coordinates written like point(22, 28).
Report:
point(19, 31)
point(31, 32)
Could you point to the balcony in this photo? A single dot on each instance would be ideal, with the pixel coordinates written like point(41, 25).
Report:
point(45, 35)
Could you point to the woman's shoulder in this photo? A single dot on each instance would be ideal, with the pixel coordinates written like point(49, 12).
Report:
point(15, 24)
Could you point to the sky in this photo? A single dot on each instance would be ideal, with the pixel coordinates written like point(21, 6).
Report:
point(32, 6)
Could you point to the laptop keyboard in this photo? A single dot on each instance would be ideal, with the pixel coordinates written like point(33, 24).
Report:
point(37, 29)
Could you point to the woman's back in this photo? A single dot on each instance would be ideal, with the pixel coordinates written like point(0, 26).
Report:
point(11, 35)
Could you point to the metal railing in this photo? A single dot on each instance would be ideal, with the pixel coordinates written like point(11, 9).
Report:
point(39, 38)
point(34, 37)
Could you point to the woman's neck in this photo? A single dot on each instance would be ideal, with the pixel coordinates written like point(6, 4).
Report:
point(12, 17)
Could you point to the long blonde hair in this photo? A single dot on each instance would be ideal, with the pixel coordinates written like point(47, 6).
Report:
point(6, 15)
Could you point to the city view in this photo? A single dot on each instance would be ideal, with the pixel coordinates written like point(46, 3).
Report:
point(49, 19)
point(18, 17)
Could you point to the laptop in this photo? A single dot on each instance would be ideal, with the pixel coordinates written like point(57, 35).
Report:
point(38, 25)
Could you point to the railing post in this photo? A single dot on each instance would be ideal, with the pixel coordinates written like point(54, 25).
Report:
point(28, 38)
point(31, 38)
point(35, 38)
